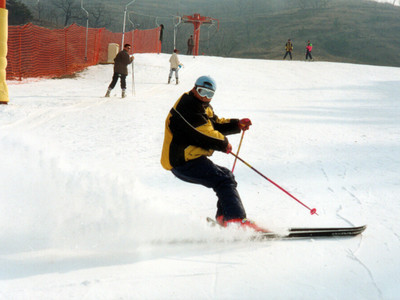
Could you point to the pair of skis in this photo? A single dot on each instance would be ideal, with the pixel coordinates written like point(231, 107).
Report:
point(297, 232)
point(322, 232)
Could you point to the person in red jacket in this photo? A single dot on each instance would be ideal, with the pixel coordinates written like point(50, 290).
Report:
point(308, 50)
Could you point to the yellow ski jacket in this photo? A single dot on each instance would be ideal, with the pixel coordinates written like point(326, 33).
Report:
point(289, 46)
point(193, 130)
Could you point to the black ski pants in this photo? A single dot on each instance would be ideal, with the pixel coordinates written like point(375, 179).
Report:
point(115, 80)
point(290, 54)
point(308, 55)
point(203, 171)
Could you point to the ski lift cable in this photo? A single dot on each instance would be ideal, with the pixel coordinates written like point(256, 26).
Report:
point(152, 16)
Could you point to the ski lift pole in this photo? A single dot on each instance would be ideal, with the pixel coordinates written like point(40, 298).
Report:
point(123, 26)
point(179, 20)
point(237, 153)
point(133, 61)
point(133, 79)
point(87, 28)
point(312, 210)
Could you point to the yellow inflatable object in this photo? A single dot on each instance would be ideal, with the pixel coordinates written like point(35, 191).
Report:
point(3, 54)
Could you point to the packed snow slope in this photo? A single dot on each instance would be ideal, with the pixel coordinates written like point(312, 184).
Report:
point(87, 212)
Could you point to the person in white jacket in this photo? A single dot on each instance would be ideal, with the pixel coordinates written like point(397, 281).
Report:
point(175, 65)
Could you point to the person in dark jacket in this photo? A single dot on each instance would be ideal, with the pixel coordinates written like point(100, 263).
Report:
point(190, 45)
point(288, 48)
point(121, 62)
point(192, 133)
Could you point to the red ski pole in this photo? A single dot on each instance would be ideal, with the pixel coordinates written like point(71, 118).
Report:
point(237, 153)
point(312, 211)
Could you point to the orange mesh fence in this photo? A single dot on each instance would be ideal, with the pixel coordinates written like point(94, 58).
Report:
point(35, 51)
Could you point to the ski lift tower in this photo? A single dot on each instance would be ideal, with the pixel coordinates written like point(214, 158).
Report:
point(197, 21)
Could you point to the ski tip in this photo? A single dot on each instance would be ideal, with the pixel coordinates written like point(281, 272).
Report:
point(212, 221)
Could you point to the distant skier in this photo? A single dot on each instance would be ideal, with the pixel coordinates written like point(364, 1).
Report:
point(288, 48)
point(121, 62)
point(193, 132)
point(190, 45)
point(308, 50)
point(175, 65)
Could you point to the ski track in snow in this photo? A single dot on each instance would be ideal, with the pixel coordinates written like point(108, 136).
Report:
point(88, 212)
point(354, 257)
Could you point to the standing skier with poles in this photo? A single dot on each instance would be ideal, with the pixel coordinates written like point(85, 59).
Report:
point(190, 45)
point(288, 48)
point(192, 133)
point(121, 62)
point(175, 65)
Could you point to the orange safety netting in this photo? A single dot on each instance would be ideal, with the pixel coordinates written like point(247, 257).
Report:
point(35, 51)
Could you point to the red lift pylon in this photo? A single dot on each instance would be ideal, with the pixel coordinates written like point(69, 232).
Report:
point(197, 21)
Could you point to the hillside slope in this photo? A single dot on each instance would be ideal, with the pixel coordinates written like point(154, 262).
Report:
point(87, 211)
point(356, 31)
point(344, 31)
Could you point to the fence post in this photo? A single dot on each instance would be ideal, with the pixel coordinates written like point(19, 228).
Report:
point(3, 52)
point(21, 28)
point(66, 49)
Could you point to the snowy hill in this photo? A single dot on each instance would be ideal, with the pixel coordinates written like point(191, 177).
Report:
point(87, 212)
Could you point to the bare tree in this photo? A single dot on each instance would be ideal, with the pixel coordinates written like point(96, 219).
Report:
point(303, 4)
point(68, 7)
point(39, 7)
point(100, 16)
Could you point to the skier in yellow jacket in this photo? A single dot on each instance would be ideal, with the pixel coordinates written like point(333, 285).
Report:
point(288, 48)
point(192, 133)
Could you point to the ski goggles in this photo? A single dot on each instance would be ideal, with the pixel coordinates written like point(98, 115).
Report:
point(205, 92)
